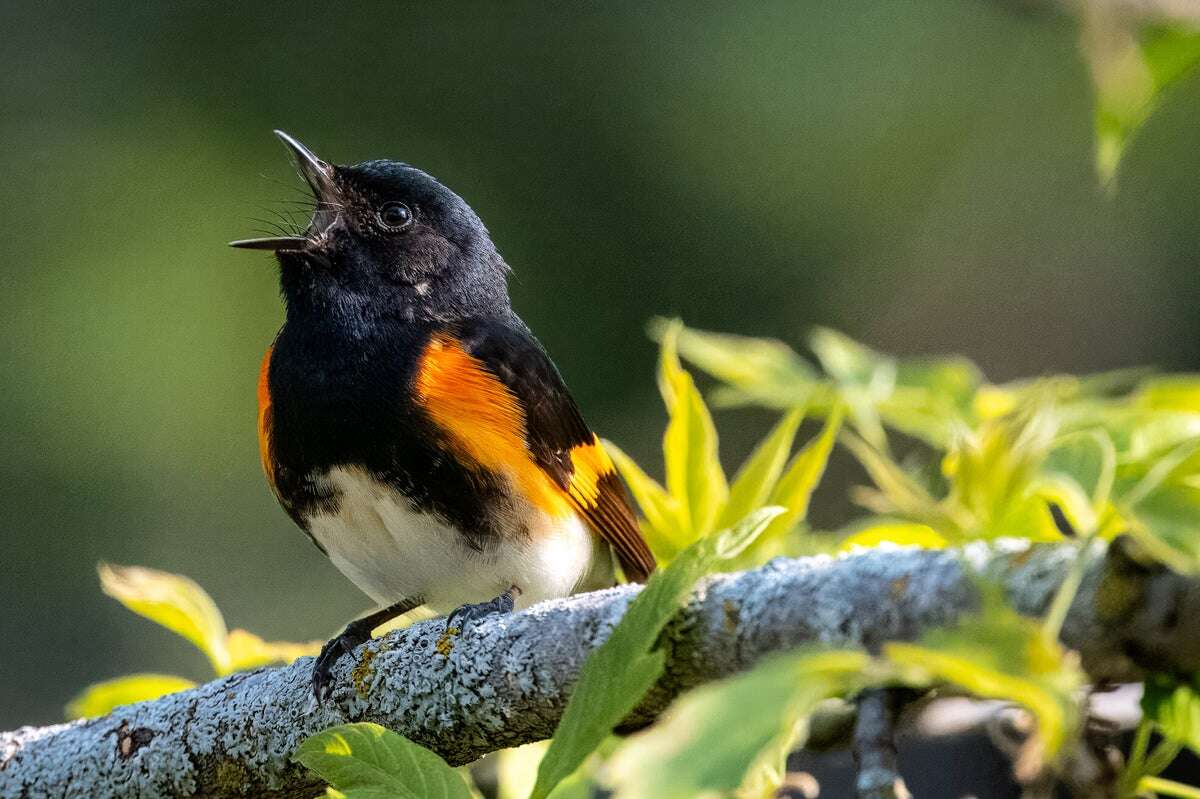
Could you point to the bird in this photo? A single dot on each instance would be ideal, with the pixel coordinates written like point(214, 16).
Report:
point(411, 424)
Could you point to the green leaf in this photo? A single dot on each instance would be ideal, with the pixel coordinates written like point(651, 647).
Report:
point(951, 381)
point(667, 534)
point(622, 669)
point(1175, 708)
point(1130, 71)
point(999, 654)
point(100, 698)
point(932, 397)
point(1165, 471)
point(1162, 509)
point(1078, 475)
point(757, 478)
point(761, 370)
point(711, 738)
point(1170, 52)
point(366, 761)
point(1089, 457)
point(694, 475)
point(1168, 523)
point(175, 602)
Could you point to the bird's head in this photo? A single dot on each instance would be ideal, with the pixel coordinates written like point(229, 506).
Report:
point(385, 240)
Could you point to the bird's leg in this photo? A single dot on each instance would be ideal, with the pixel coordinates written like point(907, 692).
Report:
point(356, 632)
point(466, 614)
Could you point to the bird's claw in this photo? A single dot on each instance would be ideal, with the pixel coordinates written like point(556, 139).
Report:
point(343, 644)
point(465, 615)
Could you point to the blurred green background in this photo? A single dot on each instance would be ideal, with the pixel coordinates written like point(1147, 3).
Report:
point(917, 174)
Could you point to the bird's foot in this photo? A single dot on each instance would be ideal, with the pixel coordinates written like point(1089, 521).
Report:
point(356, 632)
point(465, 615)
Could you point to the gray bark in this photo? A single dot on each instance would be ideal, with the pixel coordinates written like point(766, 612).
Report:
point(506, 681)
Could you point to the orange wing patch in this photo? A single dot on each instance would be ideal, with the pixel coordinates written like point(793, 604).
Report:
point(485, 424)
point(482, 420)
point(264, 418)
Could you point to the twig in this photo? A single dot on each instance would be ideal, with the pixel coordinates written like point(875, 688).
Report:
point(875, 745)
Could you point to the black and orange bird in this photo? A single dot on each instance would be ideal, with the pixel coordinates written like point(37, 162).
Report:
point(410, 423)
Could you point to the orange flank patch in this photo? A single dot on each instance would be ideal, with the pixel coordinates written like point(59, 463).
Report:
point(482, 420)
point(264, 418)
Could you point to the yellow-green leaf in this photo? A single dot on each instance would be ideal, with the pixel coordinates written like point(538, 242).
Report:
point(1159, 432)
point(248, 651)
point(175, 602)
point(1034, 516)
point(366, 761)
point(991, 469)
point(1170, 393)
point(1157, 786)
point(516, 772)
point(516, 769)
point(902, 533)
point(667, 533)
point(101, 698)
point(759, 474)
point(864, 378)
point(796, 486)
point(694, 475)
point(896, 492)
point(762, 370)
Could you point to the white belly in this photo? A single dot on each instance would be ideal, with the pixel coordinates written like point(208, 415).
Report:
point(392, 552)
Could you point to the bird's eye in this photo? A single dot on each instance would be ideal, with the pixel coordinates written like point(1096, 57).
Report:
point(394, 216)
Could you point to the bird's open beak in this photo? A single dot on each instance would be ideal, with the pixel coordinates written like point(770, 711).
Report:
point(317, 173)
point(319, 177)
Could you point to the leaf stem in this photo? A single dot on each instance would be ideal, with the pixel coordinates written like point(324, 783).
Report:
point(1057, 614)
point(1162, 756)
point(1132, 773)
point(1168, 788)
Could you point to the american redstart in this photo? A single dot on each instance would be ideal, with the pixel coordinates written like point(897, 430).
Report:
point(410, 423)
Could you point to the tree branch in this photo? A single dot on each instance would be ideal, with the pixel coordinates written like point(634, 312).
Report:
point(507, 680)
